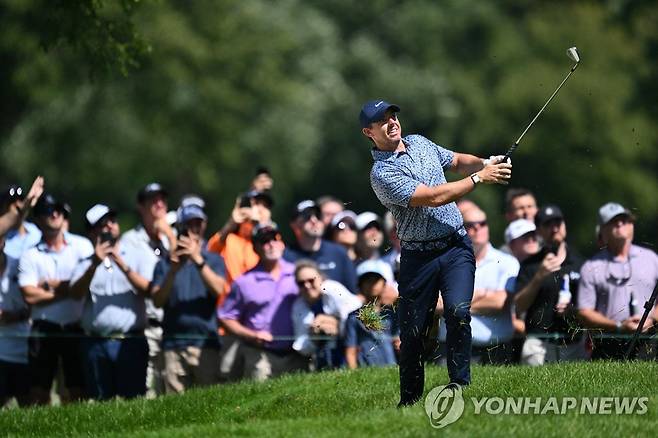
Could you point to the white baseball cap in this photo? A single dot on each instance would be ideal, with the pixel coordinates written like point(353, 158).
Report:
point(366, 218)
point(341, 216)
point(517, 229)
point(96, 213)
point(376, 267)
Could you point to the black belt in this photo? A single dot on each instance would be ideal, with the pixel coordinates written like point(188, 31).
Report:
point(153, 322)
point(437, 244)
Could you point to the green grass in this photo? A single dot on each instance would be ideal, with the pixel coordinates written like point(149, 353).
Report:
point(358, 403)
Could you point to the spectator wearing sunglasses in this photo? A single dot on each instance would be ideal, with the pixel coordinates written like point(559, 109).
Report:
point(320, 310)
point(370, 236)
point(552, 321)
point(342, 231)
point(332, 259)
point(616, 283)
point(521, 239)
point(258, 310)
point(44, 274)
point(495, 273)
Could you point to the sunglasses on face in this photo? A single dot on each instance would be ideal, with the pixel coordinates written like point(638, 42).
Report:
point(302, 282)
point(308, 215)
point(267, 239)
point(471, 225)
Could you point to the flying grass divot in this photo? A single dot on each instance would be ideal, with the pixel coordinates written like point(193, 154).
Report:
point(370, 317)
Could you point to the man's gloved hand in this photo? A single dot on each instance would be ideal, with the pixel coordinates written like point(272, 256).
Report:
point(495, 159)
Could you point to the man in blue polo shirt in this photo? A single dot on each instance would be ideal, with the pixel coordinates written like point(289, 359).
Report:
point(332, 259)
point(407, 177)
point(187, 286)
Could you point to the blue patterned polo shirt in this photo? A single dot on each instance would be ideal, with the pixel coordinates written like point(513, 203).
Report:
point(394, 178)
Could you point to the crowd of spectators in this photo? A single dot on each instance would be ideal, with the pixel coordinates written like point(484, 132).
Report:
point(161, 308)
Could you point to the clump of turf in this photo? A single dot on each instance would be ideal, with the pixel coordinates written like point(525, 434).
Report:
point(370, 317)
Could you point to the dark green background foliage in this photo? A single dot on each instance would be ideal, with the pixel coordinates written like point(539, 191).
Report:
point(101, 97)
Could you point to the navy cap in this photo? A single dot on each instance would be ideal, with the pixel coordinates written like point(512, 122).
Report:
point(374, 110)
point(191, 212)
point(262, 232)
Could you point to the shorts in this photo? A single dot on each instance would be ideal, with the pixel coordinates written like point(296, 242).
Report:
point(50, 342)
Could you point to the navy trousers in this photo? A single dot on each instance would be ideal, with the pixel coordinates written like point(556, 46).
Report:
point(422, 275)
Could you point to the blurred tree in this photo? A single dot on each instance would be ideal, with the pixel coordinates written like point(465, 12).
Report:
point(228, 85)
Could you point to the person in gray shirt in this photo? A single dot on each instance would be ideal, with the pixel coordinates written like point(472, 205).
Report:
point(616, 283)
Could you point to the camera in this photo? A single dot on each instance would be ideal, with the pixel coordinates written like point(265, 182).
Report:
point(108, 237)
point(182, 230)
point(245, 201)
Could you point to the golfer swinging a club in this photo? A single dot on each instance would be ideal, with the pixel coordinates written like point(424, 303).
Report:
point(408, 178)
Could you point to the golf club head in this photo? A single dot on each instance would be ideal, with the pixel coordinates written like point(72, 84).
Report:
point(572, 53)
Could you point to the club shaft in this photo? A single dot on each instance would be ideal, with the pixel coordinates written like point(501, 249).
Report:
point(516, 143)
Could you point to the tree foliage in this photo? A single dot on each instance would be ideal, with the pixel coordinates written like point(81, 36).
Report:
point(102, 97)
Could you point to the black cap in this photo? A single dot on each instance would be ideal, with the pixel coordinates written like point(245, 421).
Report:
point(47, 203)
point(150, 190)
point(306, 206)
point(265, 232)
point(263, 196)
point(547, 213)
point(262, 170)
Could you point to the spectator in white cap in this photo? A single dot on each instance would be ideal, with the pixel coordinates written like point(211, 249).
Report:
point(342, 231)
point(320, 310)
point(187, 285)
point(363, 346)
point(153, 238)
point(495, 272)
point(332, 259)
point(370, 236)
point(521, 238)
point(616, 283)
point(113, 282)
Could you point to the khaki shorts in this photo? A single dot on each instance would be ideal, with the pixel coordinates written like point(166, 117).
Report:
point(261, 364)
point(190, 366)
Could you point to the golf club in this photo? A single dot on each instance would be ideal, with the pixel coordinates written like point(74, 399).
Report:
point(572, 53)
point(648, 307)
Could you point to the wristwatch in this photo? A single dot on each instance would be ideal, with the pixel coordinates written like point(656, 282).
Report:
point(201, 265)
point(475, 178)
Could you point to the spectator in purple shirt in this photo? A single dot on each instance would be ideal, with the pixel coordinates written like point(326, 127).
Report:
point(259, 307)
